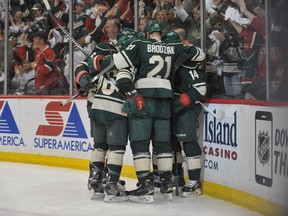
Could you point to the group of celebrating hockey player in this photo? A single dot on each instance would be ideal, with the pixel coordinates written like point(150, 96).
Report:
point(136, 100)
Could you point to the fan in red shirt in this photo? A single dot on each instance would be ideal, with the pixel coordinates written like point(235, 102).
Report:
point(43, 64)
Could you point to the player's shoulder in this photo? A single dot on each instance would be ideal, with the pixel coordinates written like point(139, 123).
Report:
point(104, 48)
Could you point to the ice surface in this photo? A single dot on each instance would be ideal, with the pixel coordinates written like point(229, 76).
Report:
point(33, 190)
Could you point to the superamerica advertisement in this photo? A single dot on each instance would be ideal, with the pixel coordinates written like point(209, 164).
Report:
point(45, 127)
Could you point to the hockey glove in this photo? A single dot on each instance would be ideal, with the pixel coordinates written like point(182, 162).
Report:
point(134, 103)
point(85, 82)
point(180, 102)
point(94, 63)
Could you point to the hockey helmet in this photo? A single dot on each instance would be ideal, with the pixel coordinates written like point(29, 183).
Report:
point(153, 26)
point(171, 37)
point(126, 36)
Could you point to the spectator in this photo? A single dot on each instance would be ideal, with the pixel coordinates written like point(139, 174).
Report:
point(99, 33)
point(23, 81)
point(171, 22)
point(17, 25)
point(80, 15)
point(2, 11)
point(79, 56)
point(230, 54)
point(46, 76)
point(142, 23)
point(253, 38)
point(39, 22)
point(59, 11)
point(190, 24)
point(9, 57)
point(159, 16)
point(158, 10)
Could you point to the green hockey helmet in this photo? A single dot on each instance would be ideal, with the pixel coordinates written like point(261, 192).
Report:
point(153, 26)
point(126, 36)
point(171, 37)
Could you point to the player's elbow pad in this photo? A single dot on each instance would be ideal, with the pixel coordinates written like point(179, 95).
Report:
point(201, 90)
point(121, 60)
point(197, 93)
point(124, 81)
point(200, 55)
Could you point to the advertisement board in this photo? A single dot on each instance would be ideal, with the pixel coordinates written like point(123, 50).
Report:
point(246, 150)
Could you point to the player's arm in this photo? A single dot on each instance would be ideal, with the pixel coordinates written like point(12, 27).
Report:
point(197, 85)
point(126, 58)
point(83, 73)
point(82, 77)
point(196, 54)
point(125, 79)
point(124, 82)
point(191, 92)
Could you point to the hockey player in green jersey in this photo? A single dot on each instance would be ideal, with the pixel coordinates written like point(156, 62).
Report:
point(108, 129)
point(148, 105)
point(189, 87)
point(108, 123)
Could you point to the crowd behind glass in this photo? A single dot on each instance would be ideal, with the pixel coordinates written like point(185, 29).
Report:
point(235, 34)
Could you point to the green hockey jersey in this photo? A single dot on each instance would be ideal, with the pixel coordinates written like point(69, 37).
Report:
point(105, 98)
point(154, 61)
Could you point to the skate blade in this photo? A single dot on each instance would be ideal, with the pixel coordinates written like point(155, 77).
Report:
point(94, 195)
point(168, 196)
point(193, 193)
point(142, 199)
point(156, 190)
point(112, 198)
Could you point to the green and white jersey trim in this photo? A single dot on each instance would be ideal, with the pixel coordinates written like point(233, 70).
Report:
point(91, 94)
point(109, 104)
point(153, 83)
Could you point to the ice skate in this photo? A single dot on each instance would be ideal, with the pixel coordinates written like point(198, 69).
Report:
point(166, 185)
point(157, 183)
point(115, 192)
point(95, 186)
point(192, 188)
point(105, 177)
point(144, 193)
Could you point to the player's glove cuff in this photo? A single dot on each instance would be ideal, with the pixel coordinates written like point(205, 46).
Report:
point(85, 82)
point(134, 103)
point(180, 102)
point(94, 64)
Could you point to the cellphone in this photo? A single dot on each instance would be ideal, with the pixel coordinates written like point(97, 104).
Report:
point(263, 148)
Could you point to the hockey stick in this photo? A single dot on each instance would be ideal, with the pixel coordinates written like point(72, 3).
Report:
point(47, 5)
point(179, 61)
point(92, 81)
point(64, 102)
point(218, 117)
